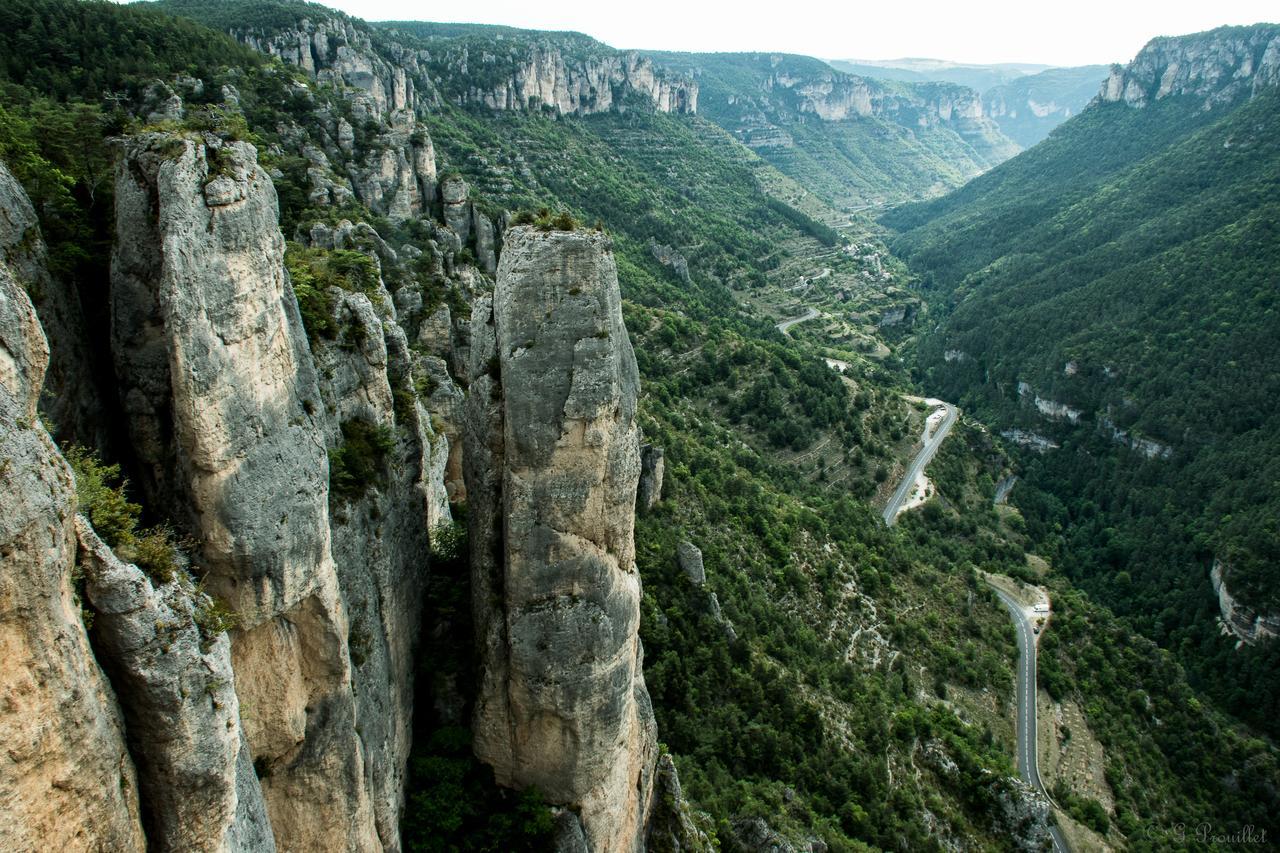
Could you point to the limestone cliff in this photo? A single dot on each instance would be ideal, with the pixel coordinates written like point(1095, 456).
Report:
point(778, 101)
point(380, 538)
point(296, 730)
point(1029, 107)
point(176, 688)
point(553, 461)
point(223, 410)
point(545, 77)
point(67, 781)
point(383, 156)
point(70, 401)
point(1218, 66)
point(340, 51)
point(1242, 621)
point(410, 65)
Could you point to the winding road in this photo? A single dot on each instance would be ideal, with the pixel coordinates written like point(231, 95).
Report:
point(811, 314)
point(918, 464)
point(1028, 765)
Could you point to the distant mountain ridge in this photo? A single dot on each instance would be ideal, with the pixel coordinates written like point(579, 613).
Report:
point(1030, 107)
point(1027, 101)
point(857, 140)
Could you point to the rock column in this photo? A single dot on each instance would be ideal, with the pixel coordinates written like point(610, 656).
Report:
point(67, 781)
point(553, 463)
point(225, 415)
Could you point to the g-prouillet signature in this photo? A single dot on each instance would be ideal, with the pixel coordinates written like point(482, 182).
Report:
point(1207, 833)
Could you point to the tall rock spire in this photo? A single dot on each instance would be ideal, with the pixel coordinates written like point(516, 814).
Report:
point(553, 463)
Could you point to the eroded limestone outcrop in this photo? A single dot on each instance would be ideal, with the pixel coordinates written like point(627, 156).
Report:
point(224, 415)
point(70, 401)
point(1243, 622)
point(67, 781)
point(552, 469)
point(1218, 66)
point(652, 467)
point(380, 539)
point(543, 76)
point(177, 691)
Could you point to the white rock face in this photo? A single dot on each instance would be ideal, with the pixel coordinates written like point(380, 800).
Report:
point(1242, 621)
point(1031, 440)
point(1050, 408)
point(1148, 447)
point(541, 77)
point(397, 177)
point(223, 410)
point(689, 557)
point(836, 96)
point(552, 469)
point(1218, 66)
point(457, 209)
point(68, 781)
point(194, 769)
point(379, 85)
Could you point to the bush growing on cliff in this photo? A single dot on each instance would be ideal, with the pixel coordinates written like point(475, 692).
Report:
point(449, 541)
point(312, 271)
point(213, 617)
point(546, 220)
point(360, 461)
point(101, 497)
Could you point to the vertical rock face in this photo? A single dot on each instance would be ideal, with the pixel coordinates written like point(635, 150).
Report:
point(70, 400)
point(457, 210)
point(398, 175)
point(652, 465)
point(210, 355)
point(67, 781)
point(340, 51)
point(380, 539)
point(553, 464)
point(1219, 66)
point(224, 412)
point(183, 717)
point(387, 90)
point(1246, 624)
point(541, 76)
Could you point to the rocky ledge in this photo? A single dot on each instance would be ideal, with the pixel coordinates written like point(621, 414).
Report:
point(1218, 66)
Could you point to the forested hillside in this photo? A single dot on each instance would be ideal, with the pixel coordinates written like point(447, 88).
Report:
point(1115, 289)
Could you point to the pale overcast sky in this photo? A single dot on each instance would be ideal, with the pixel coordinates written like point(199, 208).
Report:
point(1065, 32)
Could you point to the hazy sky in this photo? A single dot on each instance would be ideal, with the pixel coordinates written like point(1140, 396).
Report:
point(1062, 32)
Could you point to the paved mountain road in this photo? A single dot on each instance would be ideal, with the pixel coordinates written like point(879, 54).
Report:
point(918, 464)
point(811, 314)
point(1028, 764)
